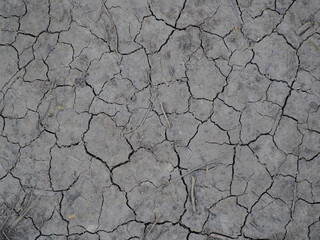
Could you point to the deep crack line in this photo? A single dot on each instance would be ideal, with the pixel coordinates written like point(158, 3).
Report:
point(173, 181)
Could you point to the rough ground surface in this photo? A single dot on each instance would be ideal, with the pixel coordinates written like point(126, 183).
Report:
point(103, 103)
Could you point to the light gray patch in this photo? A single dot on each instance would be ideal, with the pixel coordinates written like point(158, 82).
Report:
point(280, 66)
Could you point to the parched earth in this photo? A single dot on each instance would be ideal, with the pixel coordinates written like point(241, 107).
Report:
point(159, 119)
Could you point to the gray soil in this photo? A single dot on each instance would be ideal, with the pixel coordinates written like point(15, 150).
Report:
point(159, 119)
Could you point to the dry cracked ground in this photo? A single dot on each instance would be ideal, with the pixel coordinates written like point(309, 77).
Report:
point(158, 119)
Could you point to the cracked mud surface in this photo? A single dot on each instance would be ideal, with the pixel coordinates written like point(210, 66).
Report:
point(158, 119)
